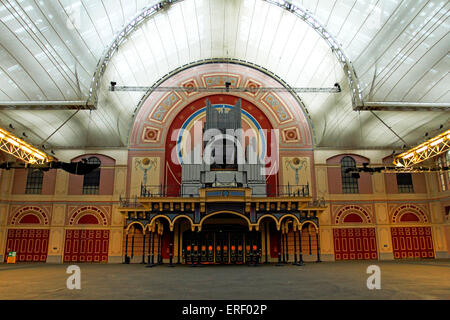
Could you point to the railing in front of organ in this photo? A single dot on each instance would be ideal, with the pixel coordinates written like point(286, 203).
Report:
point(157, 191)
point(129, 202)
point(151, 191)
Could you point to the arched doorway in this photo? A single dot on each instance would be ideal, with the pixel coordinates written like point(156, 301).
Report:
point(309, 242)
point(181, 224)
point(134, 243)
point(162, 242)
point(270, 238)
point(224, 238)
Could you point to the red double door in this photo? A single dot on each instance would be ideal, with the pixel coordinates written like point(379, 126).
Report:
point(30, 245)
point(412, 242)
point(355, 244)
point(86, 246)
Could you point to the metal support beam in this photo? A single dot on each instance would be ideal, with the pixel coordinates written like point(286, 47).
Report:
point(403, 106)
point(335, 89)
point(46, 105)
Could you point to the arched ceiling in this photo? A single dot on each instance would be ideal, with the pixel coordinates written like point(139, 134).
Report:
point(399, 50)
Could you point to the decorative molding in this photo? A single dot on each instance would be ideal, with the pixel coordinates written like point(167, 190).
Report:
point(35, 210)
point(291, 135)
point(399, 211)
point(189, 84)
point(353, 209)
point(277, 107)
point(219, 79)
point(252, 84)
point(165, 105)
point(151, 134)
point(80, 212)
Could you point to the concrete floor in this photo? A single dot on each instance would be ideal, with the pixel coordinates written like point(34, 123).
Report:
point(326, 280)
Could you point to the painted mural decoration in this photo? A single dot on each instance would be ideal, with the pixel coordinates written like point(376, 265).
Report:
point(296, 171)
point(145, 171)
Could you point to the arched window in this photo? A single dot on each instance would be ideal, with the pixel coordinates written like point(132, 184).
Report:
point(34, 181)
point(91, 180)
point(349, 182)
point(405, 183)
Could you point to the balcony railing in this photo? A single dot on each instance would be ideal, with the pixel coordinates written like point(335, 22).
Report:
point(162, 191)
point(129, 202)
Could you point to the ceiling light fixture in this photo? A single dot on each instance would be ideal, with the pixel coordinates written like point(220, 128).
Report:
point(429, 149)
point(22, 150)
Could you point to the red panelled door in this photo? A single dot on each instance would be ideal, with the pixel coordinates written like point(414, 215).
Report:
point(86, 246)
point(412, 242)
point(355, 244)
point(30, 244)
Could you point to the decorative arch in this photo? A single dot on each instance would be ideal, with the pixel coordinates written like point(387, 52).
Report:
point(165, 106)
point(183, 216)
point(127, 229)
point(350, 213)
point(310, 222)
point(25, 211)
point(407, 212)
point(90, 210)
point(250, 225)
point(153, 220)
point(192, 111)
point(139, 19)
point(291, 216)
point(269, 216)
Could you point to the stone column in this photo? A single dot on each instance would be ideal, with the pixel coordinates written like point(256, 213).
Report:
point(3, 230)
point(438, 231)
point(57, 234)
point(326, 236)
point(383, 232)
point(116, 236)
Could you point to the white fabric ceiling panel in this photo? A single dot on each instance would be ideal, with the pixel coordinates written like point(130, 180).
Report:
point(440, 90)
point(49, 51)
point(296, 37)
point(235, 13)
point(272, 29)
point(177, 27)
point(418, 63)
point(246, 14)
point(217, 28)
point(190, 29)
point(279, 47)
point(259, 16)
point(203, 17)
point(165, 34)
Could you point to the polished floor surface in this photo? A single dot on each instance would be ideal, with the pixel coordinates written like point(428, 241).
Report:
point(327, 280)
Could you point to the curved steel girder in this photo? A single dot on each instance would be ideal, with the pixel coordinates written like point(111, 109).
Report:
point(301, 13)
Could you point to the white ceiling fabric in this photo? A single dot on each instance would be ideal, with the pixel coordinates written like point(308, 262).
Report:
point(49, 51)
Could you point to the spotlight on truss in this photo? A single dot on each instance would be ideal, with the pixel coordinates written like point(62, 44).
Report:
point(429, 149)
point(22, 150)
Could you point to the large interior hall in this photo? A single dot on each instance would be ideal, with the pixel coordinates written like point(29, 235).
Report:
point(177, 133)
